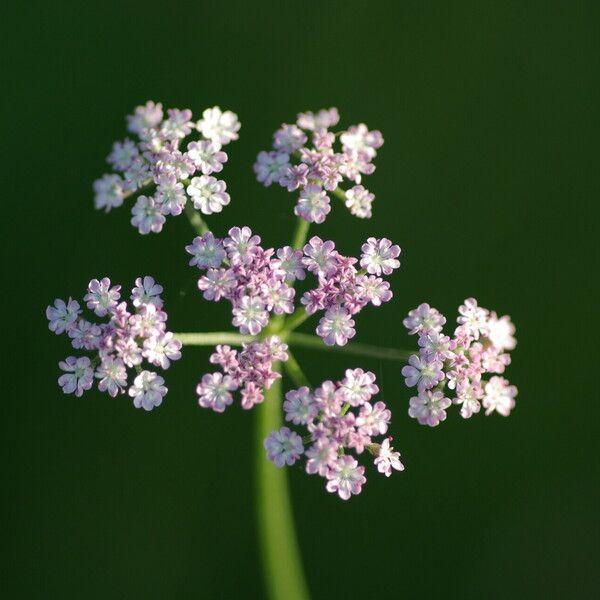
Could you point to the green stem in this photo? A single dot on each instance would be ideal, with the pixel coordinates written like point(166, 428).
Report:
point(300, 340)
point(295, 320)
point(279, 548)
point(340, 193)
point(196, 221)
point(316, 343)
point(213, 338)
point(295, 372)
point(300, 234)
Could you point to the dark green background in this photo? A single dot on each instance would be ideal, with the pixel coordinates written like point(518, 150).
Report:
point(487, 180)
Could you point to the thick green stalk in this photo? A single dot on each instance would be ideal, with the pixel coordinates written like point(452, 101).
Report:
point(294, 371)
point(282, 562)
point(213, 338)
point(300, 234)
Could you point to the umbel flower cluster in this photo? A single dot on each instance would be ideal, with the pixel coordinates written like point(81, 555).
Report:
point(478, 347)
point(171, 166)
point(123, 341)
point(173, 156)
point(259, 282)
point(311, 160)
point(336, 418)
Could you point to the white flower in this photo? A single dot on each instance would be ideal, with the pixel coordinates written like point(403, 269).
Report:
point(160, 350)
point(208, 194)
point(207, 156)
point(473, 318)
point(501, 332)
point(499, 396)
point(217, 126)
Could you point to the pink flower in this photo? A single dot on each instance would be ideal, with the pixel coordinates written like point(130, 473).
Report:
point(207, 156)
point(147, 390)
point(473, 318)
point(387, 460)
point(358, 386)
point(101, 297)
point(424, 319)
point(147, 215)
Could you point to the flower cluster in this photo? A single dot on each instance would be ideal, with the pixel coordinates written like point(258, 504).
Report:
point(304, 157)
point(120, 343)
point(158, 161)
point(249, 369)
point(338, 417)
point(478, 347)
point(259, 281)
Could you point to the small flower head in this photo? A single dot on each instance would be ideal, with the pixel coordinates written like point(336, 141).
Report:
point(345, 477)
point(78, 375)
point(429, 408)
point(387, 460)
point(147, 390)
point(208, 194)
point(379, 256)
point(218, 126)
point(63, 315)
point(284, 447)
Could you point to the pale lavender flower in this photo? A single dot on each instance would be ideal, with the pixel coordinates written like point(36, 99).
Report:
point(112, 375)
point(208, 194)
point(101, 297)
point(320, 457)
point(290, 262)
point(379, 256)
point(284, 447)
point(299, 406)
point(313, 204)
point(294, 176)
point(146, 291)
point(319, 257)
point(219, 127)
point(278, 297)
point(178, 124)
point(78, 376)
point(473, 318)
point(216, 284)
point(214, 391)
point(206, 251)
point(109, 192)
point(147, 216)
point(358, 386)
point(429, 408)
point(270, 167)
point(359, 138)
point(147, 390)
point(345, 477)
point(499, 396)
point(336, 327)
point(62, 316)
point(423, 373)
point(359, 201)
point(85, 335)
point(435, 346)
point(170, 195)
point(387, 460)
point(241, 244)
point(324, 119)
point(138, 174)
point(207, 156)
point(289, 138)
point(424, 318)
point(250, 315)
point(161, 349)
point(122, 155)
point(374, 289)
point(145, 117)
point(251, 395)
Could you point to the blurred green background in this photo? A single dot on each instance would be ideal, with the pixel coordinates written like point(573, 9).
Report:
point(487, 180)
